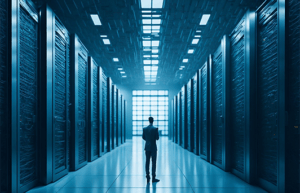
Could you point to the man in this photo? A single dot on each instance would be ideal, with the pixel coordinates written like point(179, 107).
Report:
point(150, 135)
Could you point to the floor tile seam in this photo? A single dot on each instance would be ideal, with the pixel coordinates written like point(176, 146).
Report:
point(66, 183)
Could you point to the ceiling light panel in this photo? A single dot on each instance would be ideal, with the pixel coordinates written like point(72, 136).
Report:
point(120, 68)
point(195, 41)
point(147, 61)
point(146, 43)
point(155, 43)
point(191, 51)
point(147, 67)
point(116, 59)
point(157, 4)
point(156, 27)
point(145, 27)
point(156, 21)
point(154, 56)
point(197, 36)
point(198, 31)
point(185, 60)
point(147, 56)
point(122, 72)
point(155, 61)
point(146, 21)
point(103, 36)
point(96, 19)
point(204, 19)
point(106, 41)
point(146, 4)
point(155, 51)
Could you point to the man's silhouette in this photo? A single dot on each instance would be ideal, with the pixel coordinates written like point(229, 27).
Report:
point(150, 135)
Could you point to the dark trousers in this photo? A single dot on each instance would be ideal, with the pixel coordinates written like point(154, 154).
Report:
point(153, 155)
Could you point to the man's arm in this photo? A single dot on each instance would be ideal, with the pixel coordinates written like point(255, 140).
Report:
point(144, 137)
point(157, 135)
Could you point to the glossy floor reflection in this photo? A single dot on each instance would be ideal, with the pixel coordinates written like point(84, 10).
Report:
point(122, 171)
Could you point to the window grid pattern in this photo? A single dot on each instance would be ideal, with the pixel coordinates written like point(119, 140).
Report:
point(146, 103)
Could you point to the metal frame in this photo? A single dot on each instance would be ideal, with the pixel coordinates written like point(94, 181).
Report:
point(118, 129)
point(281, 100)
point(114, 117)
point(195, 124)
point(91, 121)
point(102, 116)
point(77, 48)
point(109, 114)
point(189, 109)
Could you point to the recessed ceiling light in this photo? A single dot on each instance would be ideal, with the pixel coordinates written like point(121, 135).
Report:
point(154, 51)
point(147, 56)
point(124, 76)
point(197, 36)
point(198, 31)
point(96, 19)
point(146, 21)
point(154, 67)
point(204, 19)
point(156, 15)
point(106, 41)
point(191, 51)
point(145, 27)
point(157, 4)
point(185, 60)
point(116, 59)
point(145, 4)
point(147, 67)
point(120, 68)
point(146, 43)
point(182, 66)
point(156, 21)
point(157, 27)
point(154, 61)
point(154, 56)
point(122, 72)
point(155, 43)
point(147, 61)
point(147, 49)
point(195, 41)
point(146, 11)
point(103, 36)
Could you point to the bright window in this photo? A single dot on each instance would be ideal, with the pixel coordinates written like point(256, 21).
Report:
point(148, 103)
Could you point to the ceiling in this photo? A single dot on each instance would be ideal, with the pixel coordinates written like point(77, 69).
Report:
point(122, 23)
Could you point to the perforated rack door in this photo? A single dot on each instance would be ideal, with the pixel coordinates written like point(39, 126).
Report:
point(179, 119)
point(103, 107)
point(183, 117)
point(93, 126)
point(175, 119)
point(109, 114)
point(271, 95)
point(189, 115)
point(204, 133)
point(121, 119)
point(79, 103)
point(4, 101)
point(28, 97)
point(125, 115)
point(119, 124)
point(114, 117)
point(195, 110)
point(219, 102)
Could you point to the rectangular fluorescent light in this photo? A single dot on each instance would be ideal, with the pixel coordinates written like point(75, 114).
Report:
point(122, 72)
point(146, 15)
point(96, 19)
point(195, 41)
point(147, 56)
point(154, 51)
point(106, 41)
point(154, 61)
point(146, 50)
point(146, 11)
point(147, 31)
point(185, 60)
point(120, 68)
point(156, 15)
point(157, 27)
point(146, 21)
point(154, 56)
point(197, 36)
point(191, 51)
point(146, 43)
point(182, 66)
point(103, 36)
point(116, 59)
point(147, 67)
point(147, 73)
point(157, 4)
point(146, 27)
point(155, 68)
point(204, 19)
point(155, 43)
point(198, 31)
point(124, 76)
point(145, 4)
point(156, 21)
point(147, 61)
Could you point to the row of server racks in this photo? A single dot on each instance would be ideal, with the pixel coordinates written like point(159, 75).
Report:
point(241, 110)
point(58, 110)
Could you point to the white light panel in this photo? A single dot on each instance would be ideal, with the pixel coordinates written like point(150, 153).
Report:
point(156, 21)
point(147, 61)
point(116, 59)
point(157, 4)
point(154, 51)
point(155, 43)
point(146, 43)
point(96, 19)
point(191, 51)
point(195, 41)
point(146, 21)
point(146, 4)
point(103, 36)
point(185, 60)
point(204, 19)
point(106, 41)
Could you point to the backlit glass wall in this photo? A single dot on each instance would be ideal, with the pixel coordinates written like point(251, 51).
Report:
point(146, 103)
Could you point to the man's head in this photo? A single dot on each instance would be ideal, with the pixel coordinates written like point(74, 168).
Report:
point(151, 120)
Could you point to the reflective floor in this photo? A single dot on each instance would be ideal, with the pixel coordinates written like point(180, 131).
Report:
point(122, 171)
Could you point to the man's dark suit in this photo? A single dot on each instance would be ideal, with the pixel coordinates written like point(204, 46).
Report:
point(150, 135)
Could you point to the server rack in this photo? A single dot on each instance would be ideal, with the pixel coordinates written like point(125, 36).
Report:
point(109, 118)
point(219, 107)
point(94, 135)
point(271, 95)
point(122, 119)
point(183, 112)
point(54, 78)
point(189, 132)
point(195, 115)
point(179, 119)
point(204, 110)
point(119, 121)
point(125, 109)
point(242, 80)
point(176, 119)
point(292, 135)
point(114, 117)
point(103, 111)
point(79, 104)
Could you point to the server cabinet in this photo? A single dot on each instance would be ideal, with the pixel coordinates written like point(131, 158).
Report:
point(292, 135)
point(4, 96)
point(109, 115)
point(271, 95)
point(175, 119)
point(195, 115)
point(179, 119)
point(79, 104)
point(189, 133)
point(204, 110)
point(93, 108)
point(219, 102)
point(114, 117)
point(242, 80)
point(124, 127)
point(103, 111)
point(122, 119)
point(183, 112)
point(54, 96)
point(27, 96)
point(119, 121)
